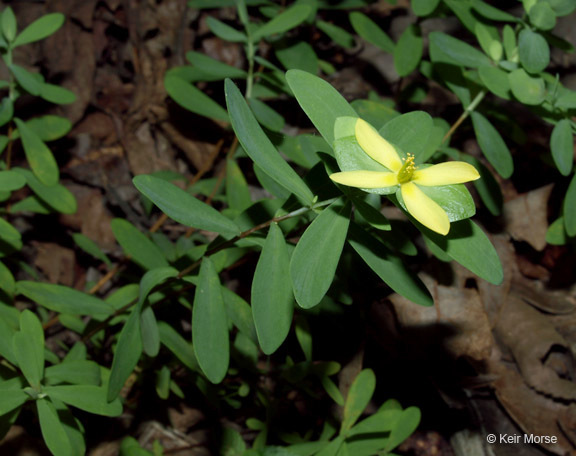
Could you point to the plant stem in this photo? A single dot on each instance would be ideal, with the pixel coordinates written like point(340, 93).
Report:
point(471, 107)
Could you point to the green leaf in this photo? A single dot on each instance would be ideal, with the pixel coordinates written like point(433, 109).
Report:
point(371, 215)
point(90, 247)
point(468, 245)
point(337, 34)
point(496, 81)
point(287, 20)
point(266, 115)
point(359, 395)
point(56, 94)
point(63, 299)
point(49, 128)
point(562, 146)
point(181, 348)
point(526, 89)
point(6, 111)
point(208, 69)
point(194, 100)
point(533, 50)
point(135, 244)
point(320, 101)
point(11, 399)
point(489, 42)
point(491, 12)
point(388, 267)
point(300, 56)
point(89, 398)
point(556, 234)
point(447, 49)
point(183, 207)
point(565, 99)
point(408, 51)
point(240, 313)
point(237, 192)
point(10, 181)
point(210, 324)
point(493, 146)
point(317, 253)
point(52, 428)
point(424, 7)
point(487, 186)
point(409, 132)
point(371, 32)
point(224, 31)
point(7, 282)
point(150, 334)
point(373, 112)
point(28, 348)
point(563, 7)
point(8, 23)
point(509, 42)
point(569, 205)
point(126, 356)
point(272, 298)
point(259, 147)
point(56, 196)
point(78, 372)
point(29, 81)
point(40, 29)
point(542, 16)
point(38, 155)
point(404, 426)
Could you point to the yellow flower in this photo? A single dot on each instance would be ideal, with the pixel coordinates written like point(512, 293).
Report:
point(404, 173)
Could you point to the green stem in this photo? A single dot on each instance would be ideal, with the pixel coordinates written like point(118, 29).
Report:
point(250, 57)
point(471, 107)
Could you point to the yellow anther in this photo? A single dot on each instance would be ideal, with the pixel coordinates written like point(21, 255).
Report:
point(408, 168)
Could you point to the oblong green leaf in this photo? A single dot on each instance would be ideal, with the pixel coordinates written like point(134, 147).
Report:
point(569, 205)
point(6, 111)
point(287, 20)
point(404, 426)
point(491, 12)
point(50, 128)
point(447, 49)
point(240, 313)
point(209, 69)
point(181, 348)
point(28, 348)
point(89, 398)
point(371, 32)
point(52, 428)
point(224, 31)
point(493, 146)
point(56, 196)
point(9, 24)
point(408, 51)
point(542, 16)
point(562, 146)
point(193, 99)
point(299, 56)
point(63, 299)
point(359, 395)
point(40, 29)
point(237, 191)
point(468, 245)
point(259, 147)
point(389, 267)
point(528, 90)
point(210, 324)
point(7, 282)
point(56, 94)
point(90, 247)
point(533, 50)
point(317, 253)
point(272, 298)
point(126, 356)
point(183, 207)
point(496, 81)
point(141, 249)
point(29, 81)
point(320, 101)
point(337, 34)
point(11, 399)
point(11, 180)
point(424, 7)
point(75, 371)
point(38, 155)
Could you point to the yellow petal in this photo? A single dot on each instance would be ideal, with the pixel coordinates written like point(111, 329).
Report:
point(447, 173)
point(376, 146)
point(365, 179)
point(424, 209)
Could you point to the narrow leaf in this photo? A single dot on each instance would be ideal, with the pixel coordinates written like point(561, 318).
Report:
point(210, 324)
point(193, 99)
point(562, 146)
point(141, 249)
point(287, 20)
point(371, 32)
point(52, 429)
point(259, 147)
point(408, 51)
point(40, 29)
point(272, 298)
point(317, 253)
point(28, 348)
point(56, 196)
point(359, 395)
point(183, 207)
point(569, 205)
point(493, 146)
point(447, 49)
point(89, 398)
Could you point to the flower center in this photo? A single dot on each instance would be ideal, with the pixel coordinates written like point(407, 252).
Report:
point(408, 168)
